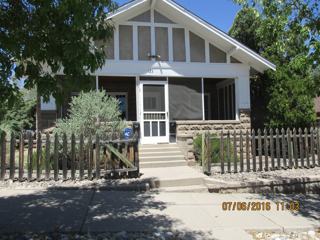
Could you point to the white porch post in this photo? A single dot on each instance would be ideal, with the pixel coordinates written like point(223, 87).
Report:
point(97, 83)
point(138, 99)
point(242, 87)
point(202, 95)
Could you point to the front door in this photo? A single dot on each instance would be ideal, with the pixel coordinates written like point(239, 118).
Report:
point(154, 114)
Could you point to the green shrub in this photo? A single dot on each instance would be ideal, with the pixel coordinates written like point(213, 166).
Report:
point(215, 148)
point(92, 113)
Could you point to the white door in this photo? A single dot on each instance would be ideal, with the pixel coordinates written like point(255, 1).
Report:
point(154, 112)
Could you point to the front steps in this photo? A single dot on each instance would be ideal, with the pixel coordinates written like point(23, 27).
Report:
point(166, 169)
point(160, 156)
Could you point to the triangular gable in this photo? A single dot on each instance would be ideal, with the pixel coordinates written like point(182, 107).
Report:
point(180, 14)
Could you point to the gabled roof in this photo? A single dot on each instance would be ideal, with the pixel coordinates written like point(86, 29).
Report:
point(229, 44)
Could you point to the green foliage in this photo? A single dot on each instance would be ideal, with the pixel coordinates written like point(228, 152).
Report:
point(215, 148)
point(42, 38)
point(286, 33)
point(19, 115)
point(92, 113)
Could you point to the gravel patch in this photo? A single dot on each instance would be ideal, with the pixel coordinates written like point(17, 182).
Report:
point(302, 235)
point(265, 175)
point(100, 183)
point(270, 175)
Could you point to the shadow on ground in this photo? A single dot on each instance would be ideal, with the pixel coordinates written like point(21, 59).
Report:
point(309, 204)
point(82, 211)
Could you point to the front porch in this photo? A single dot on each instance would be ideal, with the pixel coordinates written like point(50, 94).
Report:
point(171, 109)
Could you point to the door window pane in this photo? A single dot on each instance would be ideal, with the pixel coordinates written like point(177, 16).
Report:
point(162, 129)
point(154, 129)
point(147, 129)
point(153, 98)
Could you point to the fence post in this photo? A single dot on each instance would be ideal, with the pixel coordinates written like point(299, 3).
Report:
point(3, 155)
point(301, 148)
point(21, 156)
point(284, 155)
point(272, 149)
point(136, 156)
point(73, 156)
point(295, 148)
point(318, 147)
point(98, 156)
point(12, 155)
point(253, 151)
point(64, 157)
point(306, 142)
point(89, 154)
point(260, 150)
point(241, 152)
point(39, 156)
point(206, 164)
point(235, 153)
point(248, 150)
point(290, 152)
point(30, 149)
point(47, 163)
point(81, 157)
point(228, 152)
point(56, 158)
point(278, 149)
point(222, 152)
point(312, 147)
point(266, 152)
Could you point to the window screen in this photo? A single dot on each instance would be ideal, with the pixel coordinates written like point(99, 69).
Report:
point(179, 49)
point(162, 46)
point(109, 50)
point(125, 42)
point(217, 55)
point(197, 48)
point(185, 99)
point(144, 42)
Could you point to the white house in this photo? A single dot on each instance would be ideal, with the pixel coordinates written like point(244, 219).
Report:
point(176, 74)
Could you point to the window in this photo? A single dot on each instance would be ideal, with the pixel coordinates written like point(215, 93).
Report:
point(125, 42)
point(123, 102)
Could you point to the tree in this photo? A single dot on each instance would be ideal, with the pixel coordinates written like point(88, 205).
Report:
point(19, 115)
point(92, 113)
point(287, 34)
point(40, 39)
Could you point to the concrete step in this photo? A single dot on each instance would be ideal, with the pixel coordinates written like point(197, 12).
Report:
point(160, 153)
point(161, 158)
point(159, 147)
point(160, 164)
point(183, 189)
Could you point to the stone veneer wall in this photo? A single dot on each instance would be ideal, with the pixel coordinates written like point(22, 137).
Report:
point(187, 130)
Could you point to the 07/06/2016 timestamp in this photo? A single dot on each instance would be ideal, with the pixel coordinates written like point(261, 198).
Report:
point(293, 206)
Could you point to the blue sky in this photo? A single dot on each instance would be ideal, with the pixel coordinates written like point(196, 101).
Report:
point(219, 13)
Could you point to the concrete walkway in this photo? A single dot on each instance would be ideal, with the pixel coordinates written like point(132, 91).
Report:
point(198, 215)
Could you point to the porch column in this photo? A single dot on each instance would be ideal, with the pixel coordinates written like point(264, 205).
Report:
point(97, 83)
point(242, 90)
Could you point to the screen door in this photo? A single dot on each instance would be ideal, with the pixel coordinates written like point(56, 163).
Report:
point(155, 124)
